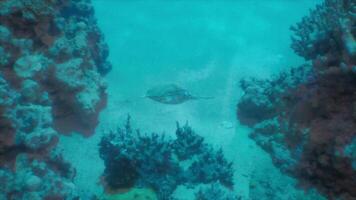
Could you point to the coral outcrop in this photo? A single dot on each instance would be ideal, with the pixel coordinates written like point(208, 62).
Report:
point(52, 60)
point(153, 161)
point(215, 191)
point(305, 118)
point(327, 35)
point(49, 178)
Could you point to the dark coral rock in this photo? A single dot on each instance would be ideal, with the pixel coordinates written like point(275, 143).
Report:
point(211, 167)
point(254, 106)
point(144, 160)
point(45, 85)
point(217, 192)
point(307, 135)
point(313, 121)
point(328, 33)
point(187, 143)
point(350, 152)
point(121, 173)
point(62, 52)
point(51, 67)
point(34, 179)
point(133, 159)
point(262, 97)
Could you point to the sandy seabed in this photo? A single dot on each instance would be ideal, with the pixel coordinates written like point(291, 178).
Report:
point(206, 48)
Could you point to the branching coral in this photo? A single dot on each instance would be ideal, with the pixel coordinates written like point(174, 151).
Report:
point(134, 159)
point(187, 143)
point(144, 160)
point(327, 35)
point(210, 167)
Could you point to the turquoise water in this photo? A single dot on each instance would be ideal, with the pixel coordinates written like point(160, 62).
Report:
point(177, 99)
point(206, 47)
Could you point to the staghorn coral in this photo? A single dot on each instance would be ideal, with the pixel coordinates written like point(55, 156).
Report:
point(209, 167)
point(309, 130)
point(52, 60)
point(134, 159)
point(187, 143)
point(152, 161)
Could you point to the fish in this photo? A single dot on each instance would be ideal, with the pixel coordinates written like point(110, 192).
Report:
point(171, 94)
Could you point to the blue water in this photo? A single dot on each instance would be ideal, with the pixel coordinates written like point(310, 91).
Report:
point(207, 47)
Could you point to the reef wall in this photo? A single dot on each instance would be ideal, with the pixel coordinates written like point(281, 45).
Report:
point(52, 60)
point(306, 117)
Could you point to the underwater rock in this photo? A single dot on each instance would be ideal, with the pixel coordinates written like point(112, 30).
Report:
point(153, 161)
point(217, 192)
point(52, 63)
point(8, 97)
point(305, 137)
point(310, 130)
point(135, 193)
point(29, 65)
point(327, 34)
point(350, 151)
point(35, 179)
point(259, 101)
point(171, 94)
point(251, 110)
point(40, 37)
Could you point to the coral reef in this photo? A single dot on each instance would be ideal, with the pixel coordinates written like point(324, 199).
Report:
point(216, 192)
point(211, 166)
point(187, 143)
point(38, 179)
point(153, 161)
point(134, 159)
point(135, 193)
point(306, 121)
point(52, 59)
point(327, 35)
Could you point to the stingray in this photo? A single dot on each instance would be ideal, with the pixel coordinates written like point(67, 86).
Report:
point(171, 94)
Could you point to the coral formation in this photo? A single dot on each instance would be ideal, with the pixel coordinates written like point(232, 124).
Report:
point(327, 35)
point(211, 166)
point(306, 121)
point(38, 179)
point(135, 193)
point(153, 161)
point(216, 192)
point(187, 143)
point(52, 59)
